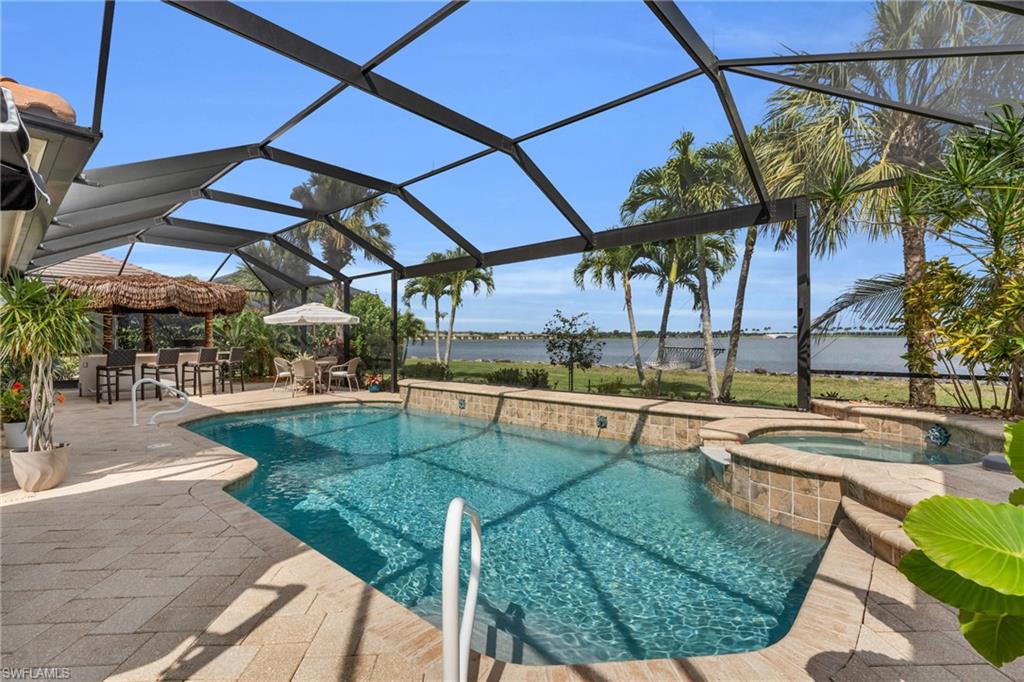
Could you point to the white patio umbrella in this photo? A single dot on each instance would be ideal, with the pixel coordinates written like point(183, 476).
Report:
point(311, 313)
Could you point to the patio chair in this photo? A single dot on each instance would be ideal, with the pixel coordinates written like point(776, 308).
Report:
point(282, 370)
point(166, 361)
point(119, 363)
point(229, 367)
point(346, 372)
point(305, 371)
point(207, 362)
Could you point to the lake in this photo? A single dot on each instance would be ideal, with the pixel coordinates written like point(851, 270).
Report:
point(879, 354)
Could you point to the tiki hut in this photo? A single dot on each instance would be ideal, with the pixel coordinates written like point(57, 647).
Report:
point(149, 294)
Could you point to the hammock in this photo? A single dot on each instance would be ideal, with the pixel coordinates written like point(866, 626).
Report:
point(681, 357)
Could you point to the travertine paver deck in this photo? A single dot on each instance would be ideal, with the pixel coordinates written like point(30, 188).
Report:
point(140, 567)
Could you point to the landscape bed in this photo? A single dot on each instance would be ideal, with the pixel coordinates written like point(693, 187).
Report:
point(594, 550)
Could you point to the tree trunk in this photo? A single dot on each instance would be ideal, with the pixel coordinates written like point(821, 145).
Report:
point(627, 290)
point(338, 294)
point(737, 312)
point(147, 333)
point(919, 356)
point(208, 330)
point(108, 332)
point(663, 329)
point(39, 427)
point(705, 323)
point(437, 330)
point(451, 331)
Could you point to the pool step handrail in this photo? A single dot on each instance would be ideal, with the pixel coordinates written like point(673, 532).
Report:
point(456, 632)
point(160, 385)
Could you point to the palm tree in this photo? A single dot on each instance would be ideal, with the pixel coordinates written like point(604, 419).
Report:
point(322, 193)
point(840, 147)
point(477, 278)
point(605, 266)
point(430, 288)
point(688, 183)
point(674, 264)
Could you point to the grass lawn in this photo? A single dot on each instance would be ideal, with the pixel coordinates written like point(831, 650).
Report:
point(753, 389)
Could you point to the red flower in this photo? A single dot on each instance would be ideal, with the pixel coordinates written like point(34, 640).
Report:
point(17, 386)
point(60, 398)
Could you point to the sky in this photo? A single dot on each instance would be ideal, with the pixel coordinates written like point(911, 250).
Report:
point(177, 85)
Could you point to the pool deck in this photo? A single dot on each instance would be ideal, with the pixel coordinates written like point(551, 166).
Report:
point(140, 567)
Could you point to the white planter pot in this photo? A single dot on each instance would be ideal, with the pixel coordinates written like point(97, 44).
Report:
point(14, 433)
point(42, 470)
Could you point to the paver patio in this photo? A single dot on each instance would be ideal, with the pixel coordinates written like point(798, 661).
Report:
point(140, 567)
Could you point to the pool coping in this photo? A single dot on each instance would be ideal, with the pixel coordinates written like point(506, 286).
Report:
point(839, 586)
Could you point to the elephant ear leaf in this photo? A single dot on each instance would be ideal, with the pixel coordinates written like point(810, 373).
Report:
point(999, 639)
point(1014, 444)
point(952, 589)
point(978, 540)
point(1017, 497)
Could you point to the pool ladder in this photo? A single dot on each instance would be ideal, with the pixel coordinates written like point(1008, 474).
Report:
point(160, 385)
point(456, 631)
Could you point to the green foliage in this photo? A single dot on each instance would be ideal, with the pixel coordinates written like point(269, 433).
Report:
point(514, 376)
point(1014, 440)
point(997, 637)
point(371, 338)
point(262, 342)
point(435, 371)
point(14, 403)
point(572, 342)
point(971, 555)
point(38, 322)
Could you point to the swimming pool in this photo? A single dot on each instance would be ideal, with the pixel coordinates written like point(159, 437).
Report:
point(867, 448)
point(594, 550)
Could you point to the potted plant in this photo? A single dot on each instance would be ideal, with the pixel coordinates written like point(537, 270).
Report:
point(37, 325)
point(374, 382)
point(14, 413)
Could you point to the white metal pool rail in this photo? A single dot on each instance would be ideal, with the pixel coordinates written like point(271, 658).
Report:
point(160, 385)
point(457, 632)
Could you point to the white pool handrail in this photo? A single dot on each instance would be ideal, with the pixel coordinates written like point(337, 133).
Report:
point(160, 385)
point(456, 632)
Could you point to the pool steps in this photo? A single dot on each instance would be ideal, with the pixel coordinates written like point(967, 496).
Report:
point(883, 533)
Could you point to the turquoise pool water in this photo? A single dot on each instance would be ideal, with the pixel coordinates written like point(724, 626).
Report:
point(866, 448)
point(593, 550)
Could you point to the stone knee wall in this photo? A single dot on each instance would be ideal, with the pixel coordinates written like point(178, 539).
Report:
point(572, 414)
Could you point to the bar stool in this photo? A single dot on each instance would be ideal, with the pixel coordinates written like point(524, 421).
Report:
point(207, 362)
point(166, 359)
point(230, 366)
point(119, 363)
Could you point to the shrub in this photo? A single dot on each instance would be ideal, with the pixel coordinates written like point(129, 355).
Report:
point(435, 371)
point(513, 376)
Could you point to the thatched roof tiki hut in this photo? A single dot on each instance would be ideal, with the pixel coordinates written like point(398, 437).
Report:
point(149, 294)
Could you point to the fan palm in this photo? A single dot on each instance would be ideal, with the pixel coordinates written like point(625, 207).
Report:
point(838, 148)
point(477, 278)
point(430, 289)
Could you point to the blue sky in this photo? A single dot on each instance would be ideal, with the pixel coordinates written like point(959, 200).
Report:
point(179, 85)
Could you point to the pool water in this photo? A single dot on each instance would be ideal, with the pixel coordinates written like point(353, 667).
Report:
point(593, 550)
point(866, 448)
